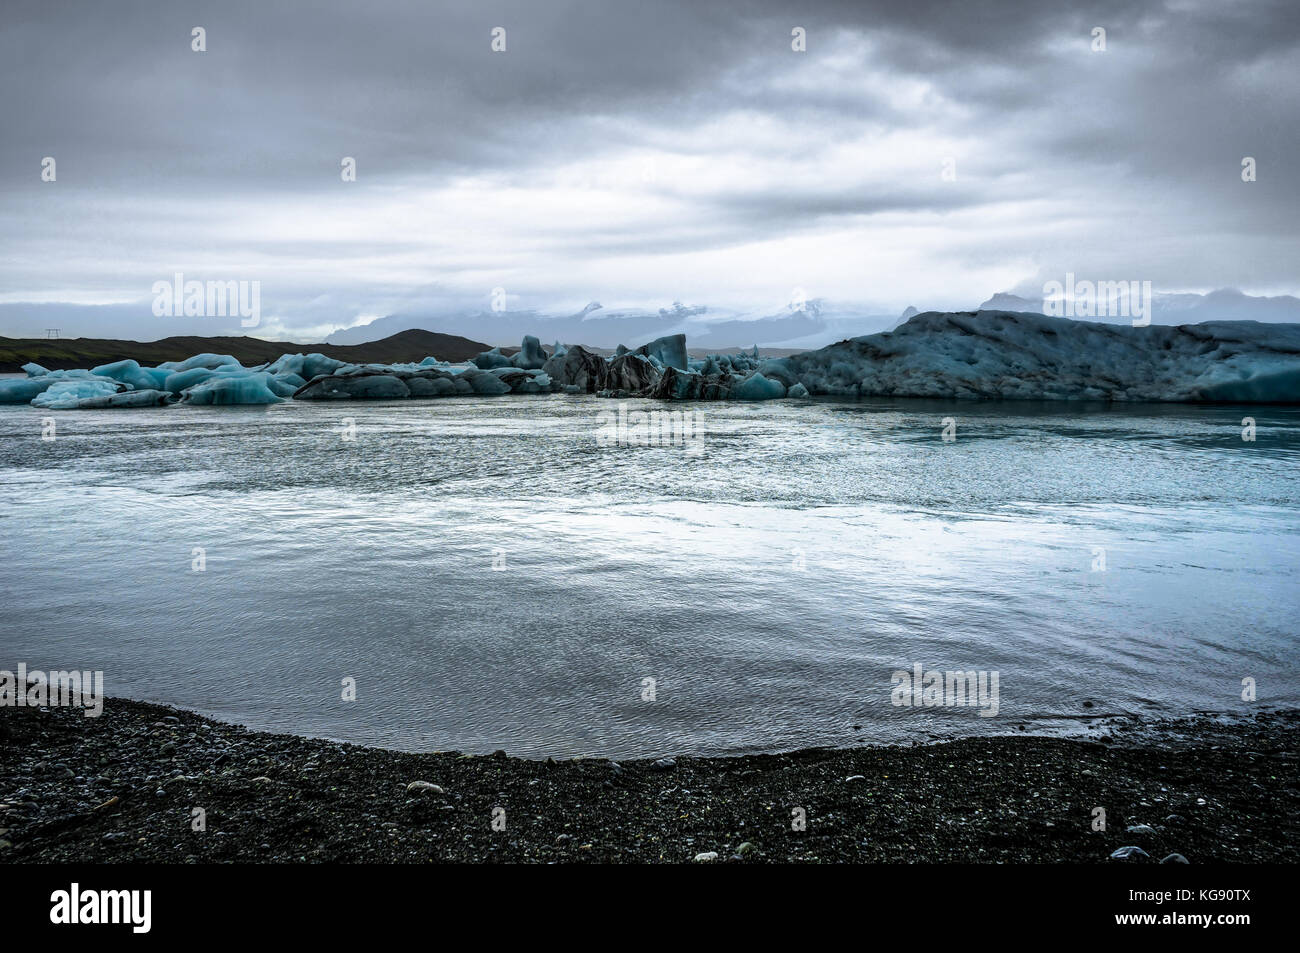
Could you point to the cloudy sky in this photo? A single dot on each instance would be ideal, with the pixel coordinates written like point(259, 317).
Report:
point(637, 153)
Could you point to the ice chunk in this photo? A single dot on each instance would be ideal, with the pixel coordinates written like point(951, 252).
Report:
point(128, 372)
point(798, 390)
point(778, 369)
point(1265, 384)
point(35, 370)
point(251, 388)
point(430, 386)
point(492, 358)
point(631, 373)
point(317, 364)
point(669, 351)
point(128, 398)
point(375, 382)
point(576, 368)
point(65, 395)
point(23, 390)
point(379, 387)
point(1026, 356)
point(287, 364)
point(178, 381)
point(280, 387)
point(487, 385)
point(204, 360)
point(758, 387)
point(530, 356)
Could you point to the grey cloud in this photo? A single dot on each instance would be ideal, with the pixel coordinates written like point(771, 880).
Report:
point(1136, 151)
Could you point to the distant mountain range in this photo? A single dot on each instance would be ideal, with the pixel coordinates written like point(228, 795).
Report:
point(816, 323)
point(58, 354)
point(805, 326)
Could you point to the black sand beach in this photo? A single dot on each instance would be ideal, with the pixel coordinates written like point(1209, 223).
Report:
point(125, 787)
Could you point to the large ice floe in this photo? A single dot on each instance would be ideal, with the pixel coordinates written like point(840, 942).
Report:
point(202, 379)
point(984, 354)
point(1025, 356)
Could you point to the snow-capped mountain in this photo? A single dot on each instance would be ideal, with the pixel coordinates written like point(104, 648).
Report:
point(811, 324)
point(807, 325)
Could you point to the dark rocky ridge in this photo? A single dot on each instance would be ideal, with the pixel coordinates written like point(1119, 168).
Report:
point(64, 353)
point(122, 787)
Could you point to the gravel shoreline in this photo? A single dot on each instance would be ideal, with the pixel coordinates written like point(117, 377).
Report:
point(125, 787)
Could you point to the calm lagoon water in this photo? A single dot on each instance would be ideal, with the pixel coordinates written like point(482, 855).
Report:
point(769, 585)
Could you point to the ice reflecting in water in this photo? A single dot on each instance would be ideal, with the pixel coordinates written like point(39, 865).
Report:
point(770, 585)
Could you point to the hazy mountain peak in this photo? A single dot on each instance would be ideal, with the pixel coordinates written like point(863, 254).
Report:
point(1005, 301)
point(679, 310)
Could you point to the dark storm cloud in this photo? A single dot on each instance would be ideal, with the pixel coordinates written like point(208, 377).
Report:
point(283, 89)
point(1135, 151)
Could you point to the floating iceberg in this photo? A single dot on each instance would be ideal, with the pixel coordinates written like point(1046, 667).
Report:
point(530, 356)
point(128, 398)
point(668, 351)
point(90, 394)
point(1025, 356)
point(67, 395)
point(25, 390)
point(202, 379)
point(491, 359)
point(984, 354)
point(178, 381)
point(22, 390)
point(305, 366)
point(209, 361)
point(659, 369)
point(576, 370)
point(397, 382)
point(252, 388)
point(130, 372)
point(758, 387)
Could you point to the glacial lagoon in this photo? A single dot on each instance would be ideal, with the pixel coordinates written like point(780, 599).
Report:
point(493, 575)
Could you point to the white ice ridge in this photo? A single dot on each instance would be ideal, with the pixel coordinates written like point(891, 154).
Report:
point(969, 354)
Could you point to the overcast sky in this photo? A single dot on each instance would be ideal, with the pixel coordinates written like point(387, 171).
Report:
point(638, 153)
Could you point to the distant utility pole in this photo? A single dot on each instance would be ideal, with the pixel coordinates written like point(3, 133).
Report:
point(51, 332)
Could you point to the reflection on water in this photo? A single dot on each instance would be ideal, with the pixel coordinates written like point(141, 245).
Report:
point(769, 585)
